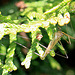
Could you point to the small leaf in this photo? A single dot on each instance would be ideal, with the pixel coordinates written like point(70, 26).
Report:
point(54, 64)
point(26, 62)
point(5, 72)
point(39, 49)
point(52, 53)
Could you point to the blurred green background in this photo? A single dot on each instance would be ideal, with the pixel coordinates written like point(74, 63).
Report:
point(39, 67)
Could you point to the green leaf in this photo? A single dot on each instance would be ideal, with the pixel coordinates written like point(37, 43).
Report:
point(54, 64)
point(52, 53)
point(26, 62)
point(5, 72)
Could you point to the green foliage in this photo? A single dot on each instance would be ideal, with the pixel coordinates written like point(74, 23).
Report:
point(52, 53)
point(37, 15)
